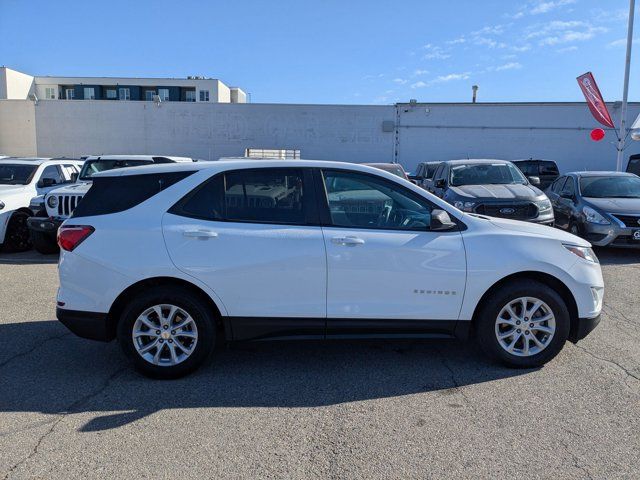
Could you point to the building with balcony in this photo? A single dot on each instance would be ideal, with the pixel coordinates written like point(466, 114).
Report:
point(16, 85)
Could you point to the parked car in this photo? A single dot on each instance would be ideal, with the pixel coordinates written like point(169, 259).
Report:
point(167, 257)
point(634, 164)
point(546, 170)
point(496, 188)
point(60, 203)
point(394, 168)
point(603, 207)
point(22, 179)
point(424, 174)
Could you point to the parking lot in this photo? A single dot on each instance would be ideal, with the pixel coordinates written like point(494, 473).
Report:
point(72, 408)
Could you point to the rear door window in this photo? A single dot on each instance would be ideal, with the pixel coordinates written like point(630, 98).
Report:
point(264, 195)
point(569, 188)
point(548, 168)
point(530, 169)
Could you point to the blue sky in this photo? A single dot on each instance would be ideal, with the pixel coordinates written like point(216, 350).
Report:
point(333, 51)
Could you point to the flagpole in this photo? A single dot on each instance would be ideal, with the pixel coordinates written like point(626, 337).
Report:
point(625, 93)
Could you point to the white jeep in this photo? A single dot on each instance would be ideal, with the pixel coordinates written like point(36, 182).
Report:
point(22, 179)
point(60, 203)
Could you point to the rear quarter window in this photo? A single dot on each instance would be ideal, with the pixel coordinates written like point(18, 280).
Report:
point(116, 194)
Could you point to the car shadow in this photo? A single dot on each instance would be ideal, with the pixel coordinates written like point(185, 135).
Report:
point(56, 373)
point(30, 257)
point(617, 256)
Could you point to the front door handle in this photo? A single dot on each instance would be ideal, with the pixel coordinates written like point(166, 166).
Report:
point(348, 241)
point(201, 234)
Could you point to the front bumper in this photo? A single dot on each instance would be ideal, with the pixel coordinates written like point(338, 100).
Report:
point(582, 328)
point(91, 325)
point(611, 235)
point(45, 224)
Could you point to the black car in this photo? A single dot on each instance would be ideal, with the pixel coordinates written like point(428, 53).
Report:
point(546, 170)
point(602, 207)
point(496, 188)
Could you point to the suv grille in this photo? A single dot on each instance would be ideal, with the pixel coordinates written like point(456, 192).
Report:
point(629, 220)
point(67, 203)
point(523, 211)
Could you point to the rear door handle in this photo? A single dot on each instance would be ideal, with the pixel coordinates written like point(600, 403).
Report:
point(201, 234)
point(348, 241)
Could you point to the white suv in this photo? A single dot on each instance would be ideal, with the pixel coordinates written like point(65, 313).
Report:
point(21, 180)
point(168, 257)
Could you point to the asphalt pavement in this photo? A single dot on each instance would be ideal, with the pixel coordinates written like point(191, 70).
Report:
point(73, 408)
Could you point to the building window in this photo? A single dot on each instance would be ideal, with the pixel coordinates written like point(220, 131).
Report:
point(204, 95)
point(148, 95)
point(163, 93)
point(190, 96)
point(50, 93)
point(111, 94)
point(124, 94)
point(89, 93)
point(69, 93)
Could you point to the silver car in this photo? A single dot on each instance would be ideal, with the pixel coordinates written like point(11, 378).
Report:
point(602, 207)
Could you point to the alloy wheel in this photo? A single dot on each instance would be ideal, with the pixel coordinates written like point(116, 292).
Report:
point(525, 326)
point(165, 335)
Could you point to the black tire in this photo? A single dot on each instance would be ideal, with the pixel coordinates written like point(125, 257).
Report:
point(44, 243)
point(17, 237)
point(183, 298)
point(491, 308)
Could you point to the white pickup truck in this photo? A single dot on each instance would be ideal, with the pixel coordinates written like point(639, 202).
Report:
point(61, 202)
point(22, 179)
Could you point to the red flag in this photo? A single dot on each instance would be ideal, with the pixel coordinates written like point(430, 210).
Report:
point(594, 98)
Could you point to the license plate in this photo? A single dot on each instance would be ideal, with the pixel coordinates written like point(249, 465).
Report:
point(636, 235)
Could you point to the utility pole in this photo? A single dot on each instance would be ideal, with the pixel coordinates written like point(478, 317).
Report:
point(625, 94)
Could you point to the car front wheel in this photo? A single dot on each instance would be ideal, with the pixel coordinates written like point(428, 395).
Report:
point(167, 333)
point(524, 324)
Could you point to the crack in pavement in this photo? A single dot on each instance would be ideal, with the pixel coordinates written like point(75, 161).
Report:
point(69, 410)
point(609, 361)
point(33, 349)
point(624, 318)
point(576, 460)
point(458, 387)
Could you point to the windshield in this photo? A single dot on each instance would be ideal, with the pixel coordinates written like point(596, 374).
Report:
point(486, 174)
point(15, 174)
point(610, 187)
point(91, 167)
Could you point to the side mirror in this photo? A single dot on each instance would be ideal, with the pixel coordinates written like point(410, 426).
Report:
point(441, 221)
point(440, 183)
point(567, 196)
point(535, 181)
point(74, 177)
point(46, 182)
point(413, 178)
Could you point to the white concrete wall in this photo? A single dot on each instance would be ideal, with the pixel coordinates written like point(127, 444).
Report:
point(211, 131)
point(14, 85)
point(17, 128)
point(560, 132)
point(238, 95)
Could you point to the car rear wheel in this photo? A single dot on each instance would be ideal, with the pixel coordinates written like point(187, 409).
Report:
point(44, 243)
point(17, 238)
point(167, 333)
point(524, 324)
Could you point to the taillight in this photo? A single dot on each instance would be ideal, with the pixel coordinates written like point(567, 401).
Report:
point(73, 235)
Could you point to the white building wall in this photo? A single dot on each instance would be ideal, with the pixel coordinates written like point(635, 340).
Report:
point(348, 133)
point(17, 128)
point(211, 131)
point(556, 131)
point(14, 85)
point(238, 95)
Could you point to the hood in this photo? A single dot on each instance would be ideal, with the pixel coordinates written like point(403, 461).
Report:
point(73, 189)
point(630, 206)
point(6, 190)
point(539, 230)
point(497, 192)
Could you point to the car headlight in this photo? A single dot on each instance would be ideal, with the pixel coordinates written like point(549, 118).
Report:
point(52, 201)
point(466, 206)
point(585, 253)
point(544, 206)
point(593, 216)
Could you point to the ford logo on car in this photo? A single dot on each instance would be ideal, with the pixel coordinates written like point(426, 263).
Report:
point(507, 211)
